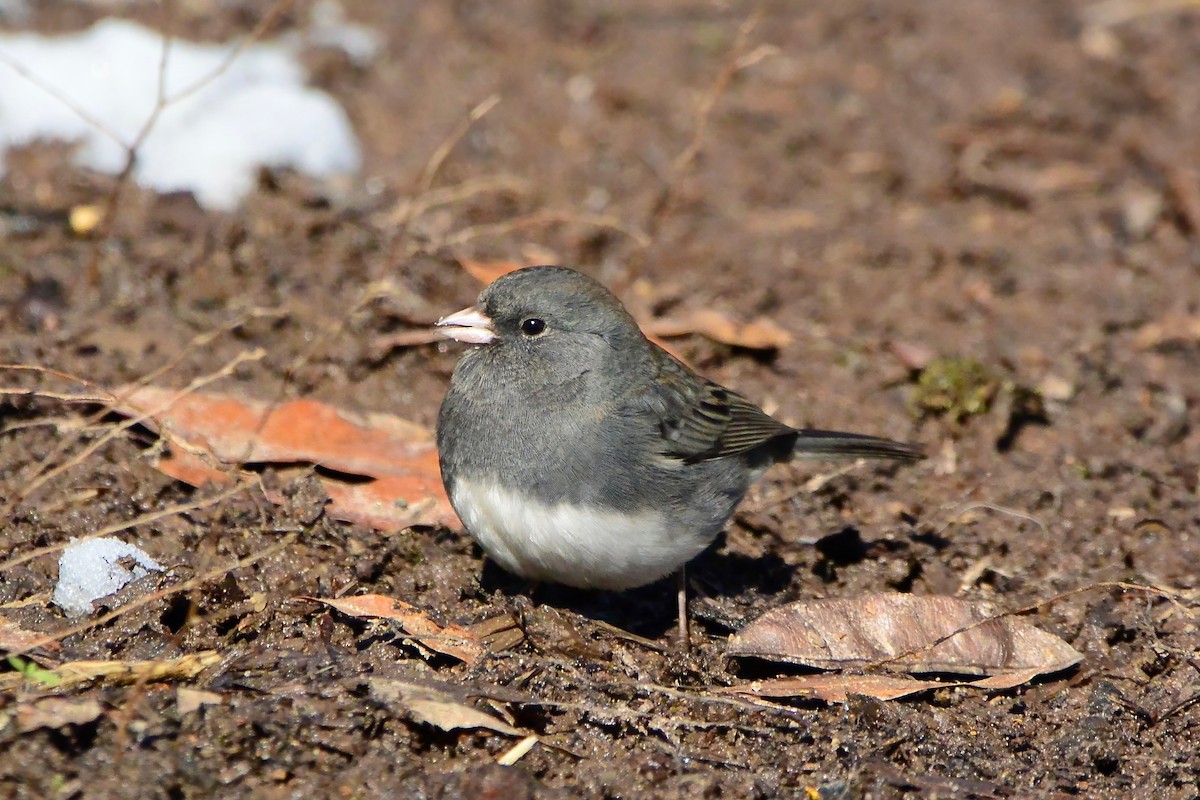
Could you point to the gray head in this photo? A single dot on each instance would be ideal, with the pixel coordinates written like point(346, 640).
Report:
point(544, 326)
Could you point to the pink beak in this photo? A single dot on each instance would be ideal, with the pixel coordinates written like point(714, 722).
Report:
point(470, 326)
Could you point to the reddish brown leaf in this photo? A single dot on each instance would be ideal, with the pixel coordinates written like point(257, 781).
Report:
point(14, 637)
point(399, 455)
point(758, 334)
point(1173, 329)
point(190, 468)
point(1007, 680)
point(451, 640)
point(487, 271)
point(917, 634)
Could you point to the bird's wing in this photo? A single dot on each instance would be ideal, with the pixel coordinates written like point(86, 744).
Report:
point(700, 420)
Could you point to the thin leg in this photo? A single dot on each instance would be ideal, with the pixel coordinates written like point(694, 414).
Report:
point(685, 634)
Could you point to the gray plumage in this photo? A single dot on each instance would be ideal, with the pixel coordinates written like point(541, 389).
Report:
point(585, 454)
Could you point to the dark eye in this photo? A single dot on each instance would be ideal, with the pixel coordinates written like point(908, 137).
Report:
point(533, 326)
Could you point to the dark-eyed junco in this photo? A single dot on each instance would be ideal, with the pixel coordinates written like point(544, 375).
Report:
point(576, 451)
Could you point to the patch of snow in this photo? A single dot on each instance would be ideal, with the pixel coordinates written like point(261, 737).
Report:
point(100, 87)
point(327, 27)
point(91, 570)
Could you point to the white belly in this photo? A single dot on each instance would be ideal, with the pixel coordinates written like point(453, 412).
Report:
point(573, 545)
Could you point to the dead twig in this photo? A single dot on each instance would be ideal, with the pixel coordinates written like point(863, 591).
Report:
point(106, 398)
point(737, 60)
point(409, 209)
point(1012, 512)
point(41, 479)
point(162, 102)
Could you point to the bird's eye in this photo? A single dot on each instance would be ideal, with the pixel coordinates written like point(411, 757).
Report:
point(532, 326)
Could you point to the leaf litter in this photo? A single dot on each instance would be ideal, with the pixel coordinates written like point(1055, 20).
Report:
point(909, 633)
point(451, 640)
point(438, 708)
point(209, 434)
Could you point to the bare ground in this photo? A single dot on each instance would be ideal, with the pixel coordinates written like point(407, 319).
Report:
point(1017, 183)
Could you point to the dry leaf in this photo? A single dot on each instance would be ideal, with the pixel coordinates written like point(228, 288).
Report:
point(436, 708)
point(56, 712)
point(917, 634)
point(1007, 680)
point(498, 633)
point(487, 271)
point(188, 700)
point(401, 456)
point(1173, 329)
point(451, 640)
point(15, 638)
point(759, 334)
point(835, 688)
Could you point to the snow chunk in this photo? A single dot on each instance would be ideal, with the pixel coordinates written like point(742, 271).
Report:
point(209, 140)
point(89, 570)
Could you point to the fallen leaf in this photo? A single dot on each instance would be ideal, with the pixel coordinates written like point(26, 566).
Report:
point(498, 633)
point(1007, 680)
point(759, 334)
point(188, 700)
point(913, 633)
point(1175, 329)
point(15, 638)
point(487, 271)
point(451, 640)
point(56, 712)
point(436, 708)
point(835, 688)
point(400, 456)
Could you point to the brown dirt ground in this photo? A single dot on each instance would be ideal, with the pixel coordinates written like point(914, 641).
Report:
point(1016, 182)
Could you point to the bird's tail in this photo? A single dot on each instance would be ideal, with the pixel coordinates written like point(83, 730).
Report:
point(812, 444)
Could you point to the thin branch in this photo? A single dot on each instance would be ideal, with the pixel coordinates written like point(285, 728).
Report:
point(736, 61)
point(41, 480)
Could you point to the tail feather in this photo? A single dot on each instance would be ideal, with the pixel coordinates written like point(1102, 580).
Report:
point(813, 444)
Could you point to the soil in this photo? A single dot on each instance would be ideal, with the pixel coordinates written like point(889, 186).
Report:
point(1013, 183)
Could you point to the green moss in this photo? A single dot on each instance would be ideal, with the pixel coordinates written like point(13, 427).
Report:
point(956, 387)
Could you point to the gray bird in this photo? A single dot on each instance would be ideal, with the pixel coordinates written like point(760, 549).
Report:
point(576, 451)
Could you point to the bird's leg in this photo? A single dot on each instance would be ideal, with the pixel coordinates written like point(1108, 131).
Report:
point(523, 602)
point(685, 637)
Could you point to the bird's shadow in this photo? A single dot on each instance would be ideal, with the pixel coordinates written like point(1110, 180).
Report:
point(650, 611)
